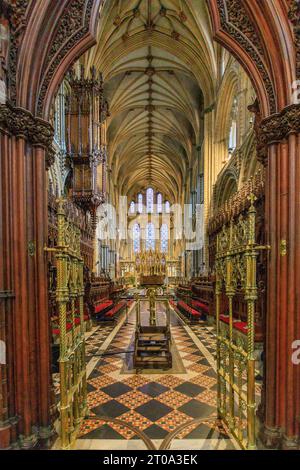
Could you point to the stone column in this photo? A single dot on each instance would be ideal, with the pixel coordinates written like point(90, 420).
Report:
point(282, 378)
point(23, 231)
point(7, 407)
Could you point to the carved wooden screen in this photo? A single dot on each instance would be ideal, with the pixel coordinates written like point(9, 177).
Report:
point(235, 266)
point(69, 298)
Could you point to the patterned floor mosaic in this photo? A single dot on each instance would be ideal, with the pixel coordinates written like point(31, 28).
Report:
point(208, 339)
point(155, 404)
point(94, 341)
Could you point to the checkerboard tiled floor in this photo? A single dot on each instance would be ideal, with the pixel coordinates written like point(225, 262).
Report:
point(96, 340)
point(155, 404)
point(208, 339)
point(93, 344)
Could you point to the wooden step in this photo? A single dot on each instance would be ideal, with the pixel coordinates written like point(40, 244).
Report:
point(154, 360)
point(151, 353)
point(142, 344)
point(152, 338)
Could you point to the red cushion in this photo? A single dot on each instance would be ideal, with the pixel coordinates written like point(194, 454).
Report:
point(115, 309)
point(241, 326)
point(195, 313)
point(56, 331)
point(238, 325)
point(224, 318)
point(103, 305)
point(188, 309)
point(197, 303)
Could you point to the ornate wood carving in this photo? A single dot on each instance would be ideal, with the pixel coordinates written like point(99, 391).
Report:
point(279, 126)
point(4, 48)
point(16, 13)
point(86, 112)
point(20, 122)
point(81, 220)
point(275, 128)
point(236, 22)
point(238, 202)
point(238, 17)
point(294, 15)
point(261, 148)
point(72, 27)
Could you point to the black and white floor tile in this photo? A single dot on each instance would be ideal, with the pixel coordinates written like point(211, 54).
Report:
point(153, 404)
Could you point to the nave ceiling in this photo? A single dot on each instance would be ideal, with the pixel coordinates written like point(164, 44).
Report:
point(159, 68)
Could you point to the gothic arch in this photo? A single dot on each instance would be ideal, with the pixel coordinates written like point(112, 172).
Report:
point(57, 33)
point(227, 93)
point(251, 31)
point(47, 37)
point(228, 185)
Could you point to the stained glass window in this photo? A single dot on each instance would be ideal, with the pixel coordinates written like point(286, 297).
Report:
point(140, 203)
point(164, 238)
point(150, 200)
point(167, 207)
point(159, 203)
point(233, 128)
point(132, 207)
point(136, 236)
point(150, 237)
point(232, 137)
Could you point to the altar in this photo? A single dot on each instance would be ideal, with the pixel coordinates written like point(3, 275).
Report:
point(151, 268)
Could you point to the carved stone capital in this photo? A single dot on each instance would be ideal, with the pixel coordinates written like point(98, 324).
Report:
point(279, 126)
point(21, 123)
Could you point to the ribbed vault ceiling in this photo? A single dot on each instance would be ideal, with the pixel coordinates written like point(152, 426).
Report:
point(158, 64)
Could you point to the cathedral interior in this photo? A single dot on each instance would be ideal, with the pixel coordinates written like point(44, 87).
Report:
point(149, 236)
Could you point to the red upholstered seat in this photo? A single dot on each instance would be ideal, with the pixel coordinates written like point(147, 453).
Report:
point(195, 313)
point(103, 306)
point(241, 326)
point(115, 310)
point(224, 318)
point(184, 308)
point(197, 304)
point(56, 331)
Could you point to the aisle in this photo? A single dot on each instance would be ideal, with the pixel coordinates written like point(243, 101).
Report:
point(153, 408)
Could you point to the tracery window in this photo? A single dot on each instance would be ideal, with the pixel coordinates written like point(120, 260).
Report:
point(136, 236)
point(140, 203)
point(159, 203)
point(164, 238)
point(233, 128)
point(167, 207)
point(132, 207)
point(200, 190)
point(150, 237)
point(150, 200)
point(232, 137)
point(59, 118)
